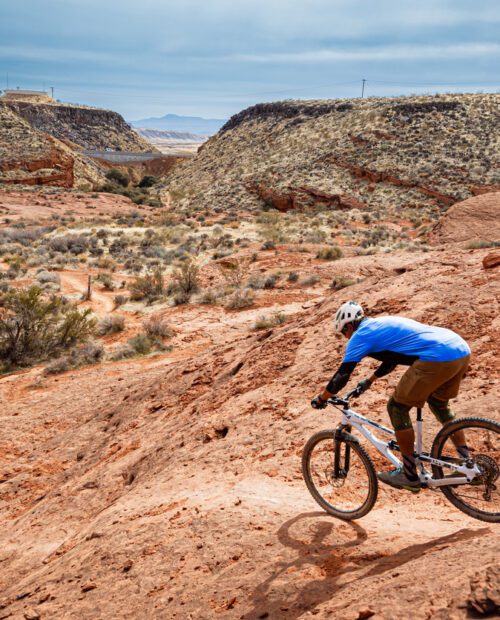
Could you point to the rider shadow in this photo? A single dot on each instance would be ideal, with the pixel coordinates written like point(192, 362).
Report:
point(288, 599)
point(292, 602)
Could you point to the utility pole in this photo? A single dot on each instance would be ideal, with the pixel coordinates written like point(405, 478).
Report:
point(52, 91)
point(363, 88)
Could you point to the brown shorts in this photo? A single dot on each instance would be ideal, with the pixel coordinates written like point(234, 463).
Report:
point(424, 379)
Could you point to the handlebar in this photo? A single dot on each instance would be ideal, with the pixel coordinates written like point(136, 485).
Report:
point(336, 400)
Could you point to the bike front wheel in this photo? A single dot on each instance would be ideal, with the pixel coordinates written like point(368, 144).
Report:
point(481, 497)
point(339, 475)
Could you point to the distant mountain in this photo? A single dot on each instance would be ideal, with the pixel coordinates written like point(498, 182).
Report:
point(162, 134)
point(173, 122)
point(173, 142)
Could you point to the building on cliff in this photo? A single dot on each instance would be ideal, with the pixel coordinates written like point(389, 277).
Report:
point(30, 96)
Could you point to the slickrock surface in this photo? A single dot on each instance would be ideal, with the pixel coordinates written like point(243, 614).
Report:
point(170, 487)
point(475, 219)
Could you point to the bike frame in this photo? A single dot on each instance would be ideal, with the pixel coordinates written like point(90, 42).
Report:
point(352, 419)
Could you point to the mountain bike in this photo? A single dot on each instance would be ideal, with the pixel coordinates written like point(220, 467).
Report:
point(341, 477)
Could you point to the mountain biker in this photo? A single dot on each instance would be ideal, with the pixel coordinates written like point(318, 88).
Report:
point(438, 359)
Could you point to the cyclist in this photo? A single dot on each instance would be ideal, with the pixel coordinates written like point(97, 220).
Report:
point(438, 359)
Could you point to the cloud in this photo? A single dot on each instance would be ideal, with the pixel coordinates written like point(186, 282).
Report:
point(396, 52)
point(199, 56)
point(54, 54)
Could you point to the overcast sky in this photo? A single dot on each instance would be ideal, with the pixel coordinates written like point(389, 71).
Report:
point(212, 58)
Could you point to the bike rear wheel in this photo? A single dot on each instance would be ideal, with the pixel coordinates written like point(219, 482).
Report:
point(480, 498)
point(339, 475)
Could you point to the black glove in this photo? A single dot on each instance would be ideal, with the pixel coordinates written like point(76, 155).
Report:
point(363, 386)
point(318, 403)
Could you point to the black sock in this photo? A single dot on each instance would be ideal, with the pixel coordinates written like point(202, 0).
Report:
point(410, 468)
point(463, 451)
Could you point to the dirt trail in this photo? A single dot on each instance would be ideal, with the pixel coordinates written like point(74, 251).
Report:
point(171, 487)
point(77, 282)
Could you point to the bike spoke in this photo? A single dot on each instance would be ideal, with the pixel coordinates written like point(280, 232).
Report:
point(483, 493)
point(344, 490)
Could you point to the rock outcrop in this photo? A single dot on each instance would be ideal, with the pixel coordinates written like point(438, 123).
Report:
point(90, 128)
point(416, 155)
point(476, 219)
point(30, 157)
point(41, 144)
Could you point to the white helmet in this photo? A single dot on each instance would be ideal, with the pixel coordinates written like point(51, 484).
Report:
point(347, 313)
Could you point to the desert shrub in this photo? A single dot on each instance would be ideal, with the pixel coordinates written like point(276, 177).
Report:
point(293, 276)
point(234, 271)
point(477, 245)
point(106, 263)
point(106, 280)
point(340, 282)
point(255, 282)
point(157, 327)
point(48, 277)
point(241, 298)
point(331, 253)
point(265, 322)
point(83, 355)
point(185, 278)
point(122, 352)
point(221, 254)
point(147, 181)
point(140, 343)
point(103, 234)
point(61, 364)
point(180, 298)
point(23, 236)
point(314, 236)
point(33, 327)
point(310, 280)
point(268, 245)
point(111, 324)
point(119, 177)
point(209, 296)
point(271, 280)
point(75, 244)
point(118, 246)
point(149, 287)
point(120, 300)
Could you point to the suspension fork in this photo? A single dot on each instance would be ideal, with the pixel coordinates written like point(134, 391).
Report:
point(338, 470)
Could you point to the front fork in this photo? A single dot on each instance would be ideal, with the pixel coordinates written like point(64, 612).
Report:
point(341, 469)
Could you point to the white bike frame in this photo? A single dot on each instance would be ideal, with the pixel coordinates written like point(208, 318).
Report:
point(356, 420)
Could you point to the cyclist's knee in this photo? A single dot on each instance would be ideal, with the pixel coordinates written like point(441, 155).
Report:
point(441, 409)
point(399, 414)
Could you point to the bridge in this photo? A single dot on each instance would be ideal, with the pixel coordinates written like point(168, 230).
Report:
point(123, 157)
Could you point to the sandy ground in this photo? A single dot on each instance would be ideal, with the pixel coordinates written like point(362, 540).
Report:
point(40, 207)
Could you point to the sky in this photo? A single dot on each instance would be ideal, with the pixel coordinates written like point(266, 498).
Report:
point(212, 58)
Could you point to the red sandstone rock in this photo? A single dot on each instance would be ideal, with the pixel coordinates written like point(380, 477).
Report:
point(474, 219)
point(491, 260)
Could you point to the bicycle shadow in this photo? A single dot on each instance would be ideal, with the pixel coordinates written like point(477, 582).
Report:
point(288, 599)
point(292, 604)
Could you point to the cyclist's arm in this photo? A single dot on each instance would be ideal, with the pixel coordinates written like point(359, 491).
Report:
point(384, 369)
point(339, 380)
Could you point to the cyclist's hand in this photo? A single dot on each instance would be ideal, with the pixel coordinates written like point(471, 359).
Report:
point(363, 386)
point(318, 403)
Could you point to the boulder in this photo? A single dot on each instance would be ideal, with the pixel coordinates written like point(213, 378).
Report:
point(474, 219)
